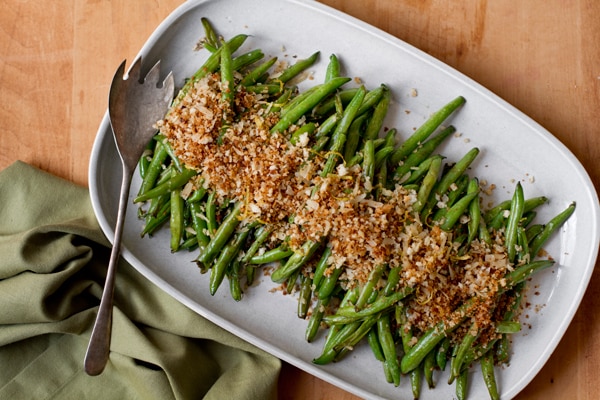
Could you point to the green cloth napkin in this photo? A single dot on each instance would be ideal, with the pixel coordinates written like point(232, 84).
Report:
point(53, 259)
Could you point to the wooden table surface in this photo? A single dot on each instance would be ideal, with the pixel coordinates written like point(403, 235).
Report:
point(57, 59)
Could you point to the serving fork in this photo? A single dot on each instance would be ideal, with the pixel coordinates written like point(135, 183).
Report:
point(135, 104)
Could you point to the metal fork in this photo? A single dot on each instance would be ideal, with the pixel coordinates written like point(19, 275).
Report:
point(134, 106)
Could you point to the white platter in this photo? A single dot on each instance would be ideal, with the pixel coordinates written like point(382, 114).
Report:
point(513, 147)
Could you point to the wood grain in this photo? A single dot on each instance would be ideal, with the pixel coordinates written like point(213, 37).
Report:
point(57, 59)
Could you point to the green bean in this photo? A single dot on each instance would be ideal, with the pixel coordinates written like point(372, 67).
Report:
point(375, 346)
point(296, 261)
point(415, 381)
point(154, 168)
point(527, 218)
point(260, 236)
point(356, 336)
point(419, 171)
point(319, 145)
point(290, 284)
point(516, 212)
point(390, 137)
point(502, 349)
point(457, 210)
point(337, 338)
point(176, 181)
point(458, 360)
point(210, 65)
point(380, 111)
point(348, 314)
point(550, 228)
point(493, 213)
point(327, 126)
point(222, 235)
point(225, 257)
point(322, 91)
point(474, 211)
point(166, 173)
point(211, 214)
point(299, 98)
point(517, 292)
point(304, 296)
point(326, 357)
point(199, 224)
point(462, 385)
point(495, 216)
point(155, 222)
point(508, 327)
point(156, 201)
point(487, 370)
point(447, 179)
point(321, 267)
point(425, 130)
point(342, 97)
point(519, 274)
point(155, 205)
point(456, 190)
point(336, 353)
point(420, 154)
point(315, 319)
point(406, 332)
point(380, 179)
point(393, 279)
point(328, 283)
point(308, 129)
point(384, 333)
point(531, 232)
point(429, 364)
point(265, 88)
point(353, 137)
point(253, 77)
point(235, 287)
point(176, 219)
point(198, 194)
point(339, 134)
point(211, 42)
point(369, 286)
point(415, 355)
point(382, 155)
point(428, 184)
point(357, 159)
point(484, 233)
point(189, 244)
point(371, 99)
point(334, 336)
point(333, 68)
point(276, 254)
point(441, 353)
point(368, 162)
point(350, 297)
point(378, 142)
point(243, 60)
point(296, 68)
point(523, 253)
point(144, 162)
point(283, 97)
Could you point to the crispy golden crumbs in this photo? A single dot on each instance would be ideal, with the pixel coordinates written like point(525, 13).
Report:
point(240, 160)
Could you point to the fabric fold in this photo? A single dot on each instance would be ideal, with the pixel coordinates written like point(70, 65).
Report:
point(53, 259)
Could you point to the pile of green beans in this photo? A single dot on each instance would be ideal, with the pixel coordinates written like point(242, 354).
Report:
point(346, 125)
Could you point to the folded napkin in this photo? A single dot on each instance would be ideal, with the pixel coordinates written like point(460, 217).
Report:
point(53, 259)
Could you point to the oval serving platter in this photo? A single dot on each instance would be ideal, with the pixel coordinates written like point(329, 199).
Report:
point(513, 148)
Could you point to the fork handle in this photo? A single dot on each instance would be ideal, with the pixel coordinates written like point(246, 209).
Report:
point(98, 349)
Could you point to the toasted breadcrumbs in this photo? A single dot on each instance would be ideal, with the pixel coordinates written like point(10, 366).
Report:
point(275, 180)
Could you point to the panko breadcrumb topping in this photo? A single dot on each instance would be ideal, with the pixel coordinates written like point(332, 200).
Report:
point(280, 184)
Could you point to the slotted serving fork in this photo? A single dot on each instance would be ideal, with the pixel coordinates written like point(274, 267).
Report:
point(135, 104)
